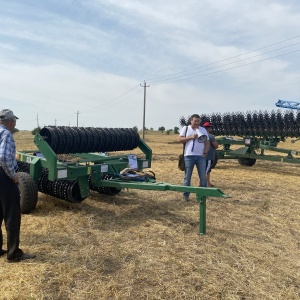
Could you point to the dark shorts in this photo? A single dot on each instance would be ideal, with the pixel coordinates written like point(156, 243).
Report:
point(209, 163)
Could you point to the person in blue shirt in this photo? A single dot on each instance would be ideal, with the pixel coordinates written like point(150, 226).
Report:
point(10, 210)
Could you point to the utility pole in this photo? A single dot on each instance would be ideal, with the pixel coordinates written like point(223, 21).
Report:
point(37, 120)
point(55, 122)
point(144, 86)
point(77, 116)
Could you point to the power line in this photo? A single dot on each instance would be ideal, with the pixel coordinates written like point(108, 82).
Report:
point(108, 104)
point(227, 68)
point(200, 71)
point(176, 75)
point(111, 101)
point(187, 74)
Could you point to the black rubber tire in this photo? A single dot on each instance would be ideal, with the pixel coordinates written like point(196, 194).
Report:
point(28, 193)
point(247, 161)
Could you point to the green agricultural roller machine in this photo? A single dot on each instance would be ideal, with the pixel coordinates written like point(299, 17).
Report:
point(72, 161)
point(254, 135)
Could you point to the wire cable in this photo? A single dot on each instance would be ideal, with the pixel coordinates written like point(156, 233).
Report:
point(226, 68)
point(173, 75)
point(112, 101)
point(190, 77)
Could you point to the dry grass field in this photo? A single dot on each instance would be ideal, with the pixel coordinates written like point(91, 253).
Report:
point(145, 244)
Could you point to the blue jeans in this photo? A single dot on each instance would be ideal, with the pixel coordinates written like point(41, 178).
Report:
point(200, 162)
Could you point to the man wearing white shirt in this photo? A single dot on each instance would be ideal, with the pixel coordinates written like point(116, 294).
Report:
point(197, 144)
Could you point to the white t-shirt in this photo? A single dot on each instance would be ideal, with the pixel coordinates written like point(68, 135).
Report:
point(193, 147)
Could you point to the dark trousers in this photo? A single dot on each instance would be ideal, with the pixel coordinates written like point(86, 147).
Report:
point(10, 212)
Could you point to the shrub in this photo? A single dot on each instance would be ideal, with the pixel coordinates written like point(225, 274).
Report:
point(35, 130)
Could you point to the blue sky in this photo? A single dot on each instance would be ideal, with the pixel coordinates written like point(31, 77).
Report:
point(58, 58)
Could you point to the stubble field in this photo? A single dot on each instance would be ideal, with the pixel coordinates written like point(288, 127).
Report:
point(145, 244)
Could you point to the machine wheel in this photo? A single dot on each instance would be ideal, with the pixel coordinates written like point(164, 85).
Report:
point(28, 193)
point(74, 195)
point(247, 161)
point(215, 161)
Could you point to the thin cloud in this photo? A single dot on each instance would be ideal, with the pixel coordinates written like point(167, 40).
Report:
point(60, 57)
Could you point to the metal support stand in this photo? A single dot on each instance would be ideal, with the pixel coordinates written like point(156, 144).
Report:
point(202, 214)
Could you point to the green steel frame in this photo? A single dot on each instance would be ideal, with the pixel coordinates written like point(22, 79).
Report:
point(95, 164)
point(254, 148)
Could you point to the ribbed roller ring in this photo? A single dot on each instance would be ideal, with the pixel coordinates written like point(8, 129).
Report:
point(64, 140)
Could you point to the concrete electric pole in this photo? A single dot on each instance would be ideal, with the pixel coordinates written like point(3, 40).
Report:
point(144, 86)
